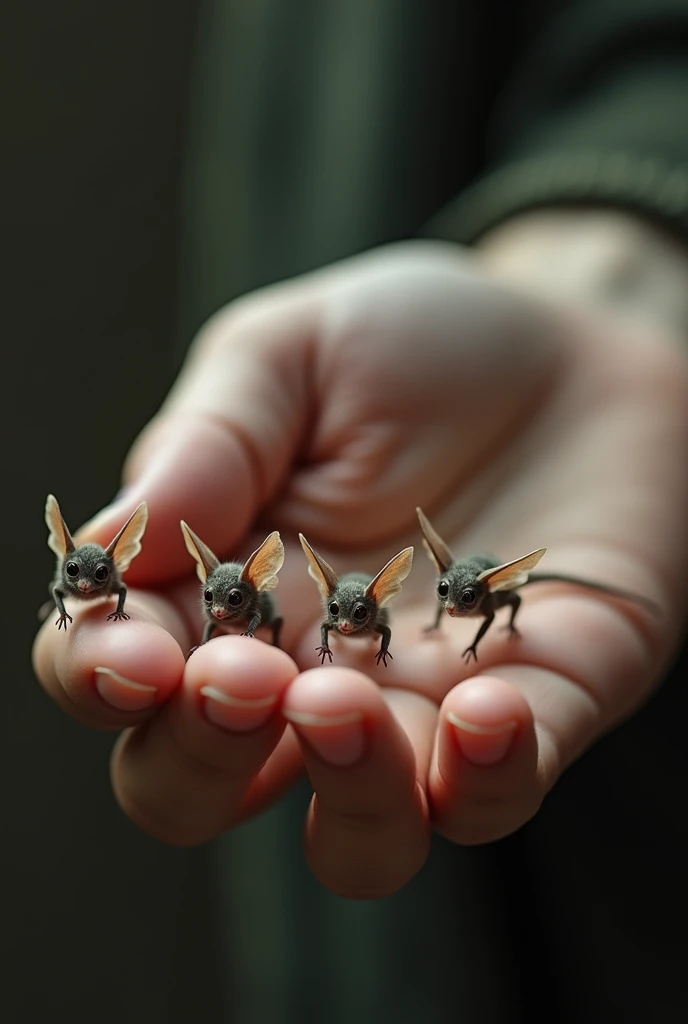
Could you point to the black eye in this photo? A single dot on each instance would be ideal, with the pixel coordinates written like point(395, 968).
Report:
point(360, 613)
point(102, 573)
point(72, 570)
point(443, 589)
point(334, 609)
point(468, 597)
point(235, 597)
point(208, 596)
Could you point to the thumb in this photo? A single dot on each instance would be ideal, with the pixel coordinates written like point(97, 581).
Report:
point(222, 442)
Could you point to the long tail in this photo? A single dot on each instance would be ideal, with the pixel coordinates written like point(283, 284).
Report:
point(602, 588)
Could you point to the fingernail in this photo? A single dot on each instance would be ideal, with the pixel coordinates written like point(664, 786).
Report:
point(236, 713)
point(338, 739)
point(483, 744)
point(122, 693)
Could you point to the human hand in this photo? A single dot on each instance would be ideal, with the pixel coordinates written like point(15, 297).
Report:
point(334, 405)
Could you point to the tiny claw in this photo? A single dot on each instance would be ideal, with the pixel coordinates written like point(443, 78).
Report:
point(324, 652)
point(467, 653)
point(62, 621)
point(384, 655)
point(118, 615)
point(514, 634)
point(249, 632)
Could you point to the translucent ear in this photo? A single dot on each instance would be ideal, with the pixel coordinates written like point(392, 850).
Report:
point(510, 575)
point(318, 569)
point(438, 551)
point(387, 583)
point(60, 540)
point(261, 568)
point(127, 544)
point(206, 561)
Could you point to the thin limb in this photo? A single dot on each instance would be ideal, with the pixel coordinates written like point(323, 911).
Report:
point(324, 650)
point(386, 634)
point(253, 624)
point(276, 630)
point(58, 596)
point(119, 612)
point(473, 649)
point(515, 602)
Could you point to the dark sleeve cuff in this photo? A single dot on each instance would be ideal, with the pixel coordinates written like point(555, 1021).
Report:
point(635, 181)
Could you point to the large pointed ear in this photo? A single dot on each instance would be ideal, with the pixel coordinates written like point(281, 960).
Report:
point(261, 568)
point(124, 548)
point(434, 545)
point(318, 569)
point(60, 540)
point(206, 561)
point(511, 574)
point(387, 583)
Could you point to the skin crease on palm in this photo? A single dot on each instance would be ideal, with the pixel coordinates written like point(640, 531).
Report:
point(333, 405)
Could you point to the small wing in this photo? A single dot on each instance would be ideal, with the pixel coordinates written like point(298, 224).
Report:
point(511, 575)
point(434, 545)
point(318, 569)
point(387, 583)
point(206, 561)
point(261, 568)
point(124, 548)
point(60, 540)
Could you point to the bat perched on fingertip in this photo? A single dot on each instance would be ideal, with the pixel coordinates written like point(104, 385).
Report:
point(356, 602)
point(89, 570)
point(236, 592)
point(480, 585)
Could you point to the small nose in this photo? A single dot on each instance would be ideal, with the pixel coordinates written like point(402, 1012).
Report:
point(450, 609)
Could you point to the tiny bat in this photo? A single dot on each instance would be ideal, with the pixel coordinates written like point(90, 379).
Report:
point(89, 571)
point(480, 586)
point(356, 603)
point(231, 591)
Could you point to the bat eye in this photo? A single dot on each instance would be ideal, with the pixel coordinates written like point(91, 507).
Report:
point(72, 570)
point(334, 608)
point(468, 598)
point(443, 589)
point(102, 573)
point(235, 598)
point(208, 596)
point(360, 613)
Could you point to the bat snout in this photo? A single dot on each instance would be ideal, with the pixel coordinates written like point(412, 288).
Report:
point(219, 613)
point(346, 628)
point(450, 609)
point(84, 587)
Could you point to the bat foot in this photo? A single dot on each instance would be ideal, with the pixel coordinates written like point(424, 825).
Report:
point(62, 621)
point(249, 632)
point(118, 615)
point(514, 634)
point(324, 652)
point(467, 653)
point(383, 656)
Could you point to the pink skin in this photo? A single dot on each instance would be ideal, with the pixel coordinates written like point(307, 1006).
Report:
point(311, 407)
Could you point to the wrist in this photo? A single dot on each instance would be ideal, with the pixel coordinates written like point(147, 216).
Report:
point(603, 258)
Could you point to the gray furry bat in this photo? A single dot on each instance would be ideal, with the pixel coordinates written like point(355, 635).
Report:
point(90, 571)
point(355, 603)
point(234, 592)
point(480, 585)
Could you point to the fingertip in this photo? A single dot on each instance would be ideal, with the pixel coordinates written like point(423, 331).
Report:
point(107, 674)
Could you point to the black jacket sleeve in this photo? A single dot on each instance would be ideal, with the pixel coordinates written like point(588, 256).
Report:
point(596, 114)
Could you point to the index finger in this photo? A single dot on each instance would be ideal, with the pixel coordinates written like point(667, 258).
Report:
point(109, 675)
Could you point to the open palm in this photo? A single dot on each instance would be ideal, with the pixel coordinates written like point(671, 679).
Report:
point(333, 406)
